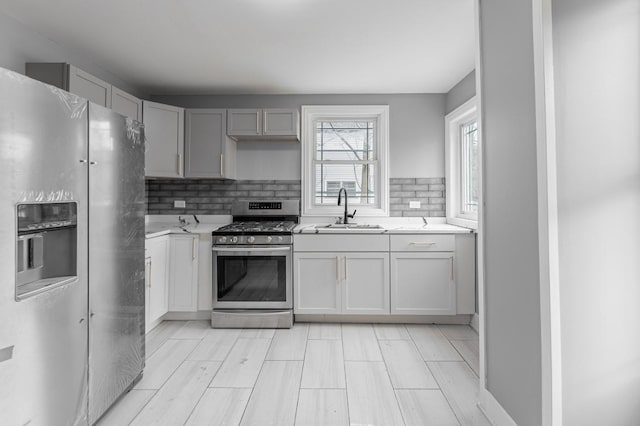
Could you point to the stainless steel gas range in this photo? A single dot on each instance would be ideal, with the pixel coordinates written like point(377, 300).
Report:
point(252, 266)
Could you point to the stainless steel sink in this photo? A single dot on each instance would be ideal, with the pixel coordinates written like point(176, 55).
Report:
point(349, 227)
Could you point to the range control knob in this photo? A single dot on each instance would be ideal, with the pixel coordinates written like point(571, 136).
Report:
point(234, 239)
point(222, 239)
point(280, 239)
point(251, 239)
point(269, 239)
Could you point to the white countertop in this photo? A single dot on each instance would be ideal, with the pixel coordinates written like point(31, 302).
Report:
point(389, 228)
point(158, 225)
point(158, 229)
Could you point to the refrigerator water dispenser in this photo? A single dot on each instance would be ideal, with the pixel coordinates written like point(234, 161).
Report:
point(46, 247)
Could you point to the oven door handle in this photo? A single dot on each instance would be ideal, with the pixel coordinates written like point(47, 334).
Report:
point(251, 249)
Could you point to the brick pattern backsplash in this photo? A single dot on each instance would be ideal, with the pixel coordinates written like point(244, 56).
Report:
point(210, 196)
point(429, 191)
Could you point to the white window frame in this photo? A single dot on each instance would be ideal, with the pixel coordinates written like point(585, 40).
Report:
point(313, 113)
point(463, 114)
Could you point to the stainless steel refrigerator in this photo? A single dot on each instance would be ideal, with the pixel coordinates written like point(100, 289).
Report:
point(71, 255)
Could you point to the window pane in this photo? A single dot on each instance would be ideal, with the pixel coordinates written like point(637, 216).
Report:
point(469, 168)
point(345, 140)
point(357, 179)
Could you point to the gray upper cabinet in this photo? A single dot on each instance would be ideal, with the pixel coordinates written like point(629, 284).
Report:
point(261, 124)
point(89, 87)
point(244, 122)
point(209, 153)
point(72, 79)
point(164, 130)
point(280, 122)
point(67, 77)
point(126, 104)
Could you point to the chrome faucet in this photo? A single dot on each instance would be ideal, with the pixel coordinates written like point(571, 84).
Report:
point(346, 217)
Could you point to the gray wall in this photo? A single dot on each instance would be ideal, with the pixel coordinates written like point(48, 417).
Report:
point(512, 288)
point(20, 44)
point(597, 87)
point(461, 92)
point(416, 132)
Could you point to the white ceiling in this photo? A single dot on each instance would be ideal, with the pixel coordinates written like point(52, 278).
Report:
point(265, 46)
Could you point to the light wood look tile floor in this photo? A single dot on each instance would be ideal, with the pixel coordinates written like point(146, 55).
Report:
point(312, 374)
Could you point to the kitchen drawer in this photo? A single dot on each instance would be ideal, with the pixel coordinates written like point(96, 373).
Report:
point(338, 243)
point(422, 242)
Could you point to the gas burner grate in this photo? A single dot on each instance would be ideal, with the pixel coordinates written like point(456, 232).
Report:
point(259, 227)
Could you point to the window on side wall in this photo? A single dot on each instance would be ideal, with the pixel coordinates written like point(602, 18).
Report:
point(345, 147)
point(462, 164)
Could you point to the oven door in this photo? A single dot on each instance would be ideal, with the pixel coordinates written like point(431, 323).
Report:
point(252, 277)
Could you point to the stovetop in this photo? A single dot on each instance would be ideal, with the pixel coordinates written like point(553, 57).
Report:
point(257, 227)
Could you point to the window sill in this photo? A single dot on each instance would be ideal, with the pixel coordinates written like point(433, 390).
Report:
point(465, 223)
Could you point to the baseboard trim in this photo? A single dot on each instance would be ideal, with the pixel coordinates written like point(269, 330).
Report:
point(382, 319)
point(492, 409)
point(187, 316)
point(475, 323)
point(153, 324)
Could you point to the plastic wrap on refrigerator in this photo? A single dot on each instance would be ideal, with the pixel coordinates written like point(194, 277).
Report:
point(43, 338)
point(71, 255)
point(116, 256)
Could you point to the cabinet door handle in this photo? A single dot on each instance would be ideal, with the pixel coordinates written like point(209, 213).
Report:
point(345, 267)
point(337, 270)
point(193, 249)
point(179, 164)
point(150, 269)
point(451, 272)
point(258, 123)
point(221, 165)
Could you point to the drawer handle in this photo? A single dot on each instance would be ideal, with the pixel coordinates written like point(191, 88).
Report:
point(421, 243)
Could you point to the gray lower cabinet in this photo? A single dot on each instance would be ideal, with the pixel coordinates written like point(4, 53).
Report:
point(397, 274)
point(209, 153)
point(268, 123)
point(423, 283)
point(156, 280)
point(164, 130)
